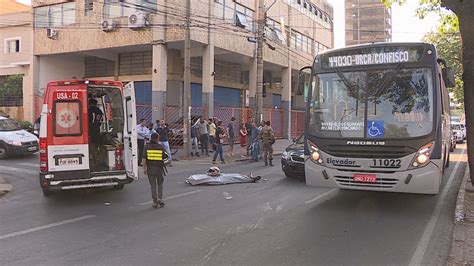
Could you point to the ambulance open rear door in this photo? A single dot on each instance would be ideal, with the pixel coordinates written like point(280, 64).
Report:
point(130, 131)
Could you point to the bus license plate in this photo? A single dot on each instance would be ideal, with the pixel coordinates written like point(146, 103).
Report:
point(365, 178)
point(69, 161)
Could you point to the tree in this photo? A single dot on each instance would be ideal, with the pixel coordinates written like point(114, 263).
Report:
point(463, 17)
point(11, 90)
point(448, 45)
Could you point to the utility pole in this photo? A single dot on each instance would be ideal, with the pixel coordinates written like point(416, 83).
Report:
point(358, 21)
point(260, 36)
point(187, 83)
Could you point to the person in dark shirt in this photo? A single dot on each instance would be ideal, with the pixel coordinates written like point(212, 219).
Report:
point(163, 131)
point(220, 135)
point(154, 167)
point(95, 120)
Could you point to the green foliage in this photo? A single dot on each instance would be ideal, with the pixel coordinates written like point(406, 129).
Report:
point(446, 38)
point(11, 85)
point(25, 124)
point(448, 44)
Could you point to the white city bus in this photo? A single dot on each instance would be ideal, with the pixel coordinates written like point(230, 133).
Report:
point(377, 118)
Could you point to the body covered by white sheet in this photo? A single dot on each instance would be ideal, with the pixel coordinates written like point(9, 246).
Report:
point(221, 179)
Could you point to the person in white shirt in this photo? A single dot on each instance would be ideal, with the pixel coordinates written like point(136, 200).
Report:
point(142, 133)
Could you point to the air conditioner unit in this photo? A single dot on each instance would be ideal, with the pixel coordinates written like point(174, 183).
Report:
point(137, 20)
point(108, 25)
point(51, 33)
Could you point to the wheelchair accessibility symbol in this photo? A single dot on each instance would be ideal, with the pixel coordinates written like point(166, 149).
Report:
point(375, 129)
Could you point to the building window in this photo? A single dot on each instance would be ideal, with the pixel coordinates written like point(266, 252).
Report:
point(55, 15)
point(98, 67)
point(235, 13)
point(12, 46)
point(311, 11)
point(120, 8)
point(274, 33)
point(301, 42)
point(88, 7)
point(138, 63)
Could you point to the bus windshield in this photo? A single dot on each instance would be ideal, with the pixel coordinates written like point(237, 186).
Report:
point(383, 104)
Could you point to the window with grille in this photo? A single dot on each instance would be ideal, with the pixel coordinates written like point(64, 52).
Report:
point(98, 67)
point(136, 63)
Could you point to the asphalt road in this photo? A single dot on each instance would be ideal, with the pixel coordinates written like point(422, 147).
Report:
point(278, 221)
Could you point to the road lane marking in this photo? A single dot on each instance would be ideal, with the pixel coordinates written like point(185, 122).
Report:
point(327, 193)
point(417, 257)
point(30, 164)
point(46, 226)
point(17, 170)
point(174, 196)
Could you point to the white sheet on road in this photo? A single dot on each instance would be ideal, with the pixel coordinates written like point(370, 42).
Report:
point(222, 179)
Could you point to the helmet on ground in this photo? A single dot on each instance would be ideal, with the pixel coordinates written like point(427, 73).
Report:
point(214, 171)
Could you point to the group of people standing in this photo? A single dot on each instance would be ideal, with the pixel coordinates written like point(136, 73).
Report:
point(254, 141)
point(144, 132)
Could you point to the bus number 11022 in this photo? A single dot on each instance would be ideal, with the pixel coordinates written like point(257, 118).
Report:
point(389, 163)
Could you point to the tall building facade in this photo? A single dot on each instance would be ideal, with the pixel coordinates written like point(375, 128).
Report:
point(367, 21)
point(143, 41)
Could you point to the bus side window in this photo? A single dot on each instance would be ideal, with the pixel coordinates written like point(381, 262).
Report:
point(67, 118)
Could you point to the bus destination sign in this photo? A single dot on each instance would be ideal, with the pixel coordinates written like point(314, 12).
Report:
point(372, 57)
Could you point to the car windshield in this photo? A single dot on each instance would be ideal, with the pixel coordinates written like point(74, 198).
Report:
point(9, 125)
point(387, 104)
point(456, 127)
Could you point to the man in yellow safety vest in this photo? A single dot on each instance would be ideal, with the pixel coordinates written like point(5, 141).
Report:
point(154, 167)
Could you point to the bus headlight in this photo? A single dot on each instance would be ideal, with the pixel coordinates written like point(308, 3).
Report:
point(422, 156)
point(315, 156)
point(314, 153)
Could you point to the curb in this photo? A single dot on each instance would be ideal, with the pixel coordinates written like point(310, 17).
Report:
point(456, 254)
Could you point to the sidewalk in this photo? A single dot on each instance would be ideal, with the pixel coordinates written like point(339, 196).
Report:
point(278, 149)
point(462, 245)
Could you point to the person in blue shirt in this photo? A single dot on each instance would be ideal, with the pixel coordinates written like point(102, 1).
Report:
point(255, 151)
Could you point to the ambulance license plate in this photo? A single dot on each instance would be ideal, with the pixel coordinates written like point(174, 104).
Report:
point(69, 161)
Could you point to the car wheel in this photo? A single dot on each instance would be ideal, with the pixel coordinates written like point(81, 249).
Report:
point(289, 175)
point(3, 152)
point(47, 192)
point(119, 187)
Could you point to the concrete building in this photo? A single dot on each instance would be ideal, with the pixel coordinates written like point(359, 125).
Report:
point(367, 21)
point(143, 41)
point(16, 52)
